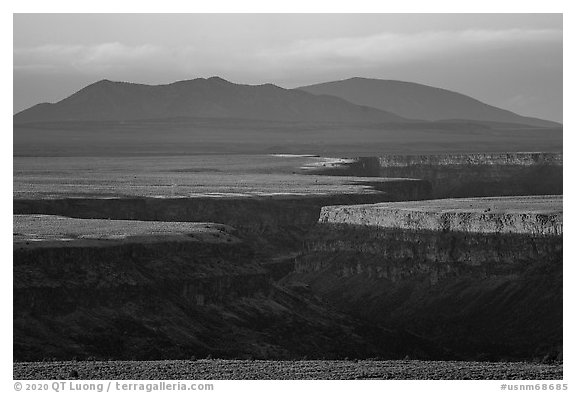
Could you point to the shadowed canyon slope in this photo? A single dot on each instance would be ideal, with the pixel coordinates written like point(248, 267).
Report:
point(416, 101)
point(150, 290)
point(482, 276)
point(205, 98)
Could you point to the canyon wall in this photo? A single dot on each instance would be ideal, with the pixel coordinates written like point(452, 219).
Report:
point(466, 175)
point(538, 215)
point(173, 296)
point(86, 298)
point(484, 294)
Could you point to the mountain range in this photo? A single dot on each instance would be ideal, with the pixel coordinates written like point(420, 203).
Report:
point(355, 100)
point(209, 98)
point(416, 101)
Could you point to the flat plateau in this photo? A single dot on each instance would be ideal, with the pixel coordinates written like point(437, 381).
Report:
point(541, 215)
point(36, 230)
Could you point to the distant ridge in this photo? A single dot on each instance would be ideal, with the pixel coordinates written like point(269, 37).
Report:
point(416, 101)
point(210, 98)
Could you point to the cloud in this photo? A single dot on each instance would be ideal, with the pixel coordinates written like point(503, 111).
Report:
point(116, 52)
point(329, 53)
point(87, 58)
point(387, 48)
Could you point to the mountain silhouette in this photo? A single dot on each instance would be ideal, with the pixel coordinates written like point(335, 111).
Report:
point(416, 101)
point(207, 98)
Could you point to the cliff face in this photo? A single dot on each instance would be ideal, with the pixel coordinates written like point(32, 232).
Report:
point(126, 300)
point(201, 273)
point(520, 159)
point(468, 175)
point(171, 297)
point(478, 295)
point(482, 294)
point(540, 216)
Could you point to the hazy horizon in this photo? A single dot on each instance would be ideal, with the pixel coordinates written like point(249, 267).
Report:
point(512, 61)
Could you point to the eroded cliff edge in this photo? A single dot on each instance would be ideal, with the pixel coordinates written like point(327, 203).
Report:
point(461, 175)
point(482, 277)
point(272, 223)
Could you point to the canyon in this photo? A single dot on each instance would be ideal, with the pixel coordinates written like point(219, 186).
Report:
point(344, 266)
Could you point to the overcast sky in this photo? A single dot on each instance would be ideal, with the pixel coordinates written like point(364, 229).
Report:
point(513, 61)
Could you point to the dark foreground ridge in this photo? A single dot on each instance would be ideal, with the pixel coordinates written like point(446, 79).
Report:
point(203, 369)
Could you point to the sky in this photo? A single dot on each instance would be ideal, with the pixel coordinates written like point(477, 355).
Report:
point(513, 61)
